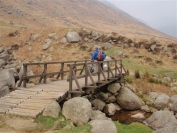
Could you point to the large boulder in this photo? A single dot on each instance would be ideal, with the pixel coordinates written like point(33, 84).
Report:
point(73, 36)
point(2, 63)
point(128, 100)
point(174, 106)
point(114, 88)
point(173, 98)
point(102, 126)
point(7, 78)
point(78, 110)
point(1, 49)
point(170, 129)
point(4, 91)
point(161, 119)
point(162, 101)
point(53, 109)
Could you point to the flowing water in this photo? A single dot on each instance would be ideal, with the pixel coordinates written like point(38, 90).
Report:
point(126, 117)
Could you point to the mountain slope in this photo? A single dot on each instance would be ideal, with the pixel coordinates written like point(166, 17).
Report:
point(91, 14)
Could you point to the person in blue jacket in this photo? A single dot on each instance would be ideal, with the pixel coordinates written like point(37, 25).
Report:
point(94, 56)
point(103, 55)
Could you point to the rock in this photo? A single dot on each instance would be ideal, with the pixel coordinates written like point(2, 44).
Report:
point(145, 108)
point(106, 46)
point(7, 78)
point(130, 87)
point(118, 53)
point(53, 109)
point(98, 115)
point(78, 110)
point(168, 79)
point(174, 89)
point(111, 99)
point(161, 119)
point(107, 38)
point(2, 63)
point(153, 47)
point(153, 95)
point(4, 56)
point(1, 49)
point(102, 96)
point(174, 106)
point(138, 116)
point(4, 91)
point(162, 101)
point(170, 129)
point(33, 38)
point(73, 37)
point(128, 100)
point(165, 49)
point(64, 40)
point(174, 98)
point(102, 126)
point(98, 104)
point(52, 35)
point(114, 88)
point(118, 108)
point(94, 34)
point(110, 109)
point(47, 44)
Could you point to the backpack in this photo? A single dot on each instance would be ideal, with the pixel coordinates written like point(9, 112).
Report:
point(99, 56)
point(103, 55)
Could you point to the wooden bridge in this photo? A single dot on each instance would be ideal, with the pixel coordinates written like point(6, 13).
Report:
point(71, 78)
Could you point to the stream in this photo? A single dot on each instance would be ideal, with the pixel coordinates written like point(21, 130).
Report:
point(127, 117)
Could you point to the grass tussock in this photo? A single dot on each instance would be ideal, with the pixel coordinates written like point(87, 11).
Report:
point(133, 128)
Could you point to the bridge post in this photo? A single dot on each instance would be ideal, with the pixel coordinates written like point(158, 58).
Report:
point(86, 74)
point(70, 81)
point(108, 70)
point(99, 70)
point(62, 68)
point(44, 74)
point(24, 75)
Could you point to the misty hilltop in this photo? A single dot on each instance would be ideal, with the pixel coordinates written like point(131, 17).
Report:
point(91, 14)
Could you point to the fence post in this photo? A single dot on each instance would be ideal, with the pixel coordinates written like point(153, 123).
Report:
point(70, 80)
point(24, 75)
point(86, 74)
point(62, 73)
point(108, 69)
point(116, 68)
point(99, 70)
point(44, 74)
point(121, 68)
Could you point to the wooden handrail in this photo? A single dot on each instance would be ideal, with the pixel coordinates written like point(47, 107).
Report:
point(87, 75)
point(77, 69)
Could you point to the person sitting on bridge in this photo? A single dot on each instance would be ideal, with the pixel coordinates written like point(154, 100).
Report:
point(94, 55)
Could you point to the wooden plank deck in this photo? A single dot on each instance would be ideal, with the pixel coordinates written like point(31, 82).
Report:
point(31, 101)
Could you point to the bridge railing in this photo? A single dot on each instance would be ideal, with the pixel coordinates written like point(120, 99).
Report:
point(114, 71)
point(61, 72)
point(74, 70)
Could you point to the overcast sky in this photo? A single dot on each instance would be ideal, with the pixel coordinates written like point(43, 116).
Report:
point(158, 14)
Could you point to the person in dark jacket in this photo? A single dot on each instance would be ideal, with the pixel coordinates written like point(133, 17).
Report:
point(94, 55)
